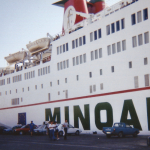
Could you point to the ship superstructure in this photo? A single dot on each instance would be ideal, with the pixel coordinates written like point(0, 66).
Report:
point(95, 72)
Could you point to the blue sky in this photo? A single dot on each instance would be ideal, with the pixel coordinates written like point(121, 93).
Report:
point(22, 21)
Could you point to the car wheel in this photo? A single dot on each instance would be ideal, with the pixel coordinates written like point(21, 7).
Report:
point(77, 133)
point(135, 134)
point(120, 134)
point(60, 133)
point(108, 135)
point(21, 132)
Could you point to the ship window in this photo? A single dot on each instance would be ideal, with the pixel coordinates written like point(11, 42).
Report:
point(10, 91)
point(139, 17)
point(65, 80)
point(107, 29)
point(96, 54)
point(109, 50)
point(117, 25)
point(67, 48)
point(45, 70)
point(51, 84)
point(22, 89)
point(49, 96)
point(112, 28)
point(147, 80)
point(64, 64)
point(90, 74)
point(134, 41)
point(77, 77)
point(16, 90)
point(145, 61)
point(67, 63)
point(73, 44)
point(61, 66)
point(28, 88)
point(118, 47)
point(146, 37)
point(80, 59)
point(63, 48)
point(60, 49)
point(140, 39)
point(133, 19)
point(130, 64)
point(77, 60)
point(92, 55)
point(80, 41)
point(58, 82)
point(73, 60)
point(124, 45)
point(100, 53)
point(38, 72)
point(136, 82)
point(76, 42)
point(91, 36)
point(99, 33)
point(57, 50)
point(112, 69)
point(31, 75)
point(145, 14)
point(101, 86)
point(36, 87)
point(101, 72)
point(84, 40)
point(5, 92)
point(91, 89)
point(48, 69)
point(95, 35)
point(15, 101)
point(41, 71)
point(84, 58)
point(58, 66)
point(94, 88)
point(113, 48)
point(122, 23)
point(41, 86)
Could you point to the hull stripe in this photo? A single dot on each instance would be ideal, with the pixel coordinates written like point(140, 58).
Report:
point(82, 97)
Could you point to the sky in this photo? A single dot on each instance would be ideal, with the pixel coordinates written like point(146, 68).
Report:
point(22, 21)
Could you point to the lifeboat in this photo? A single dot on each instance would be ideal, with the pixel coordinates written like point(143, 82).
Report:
point(12, 58)
point(38, 45)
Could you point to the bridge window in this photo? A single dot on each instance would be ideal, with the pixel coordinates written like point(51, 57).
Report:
point(67, 48)
point(109, 50)
point(122, 23)
point(133, 19)
point(140, 39)
point(124, 45)
point(107, 29)
point(84, 40)
point(95, 35)
point(134, 41)
point(145, 14)
point(80, 41)
point(99, 33)
point(76, 42)
point(91, 36)
point(118, 25)
point(146, 37)
point(112, 28)
point(139, 17)
point(113, 48)
point(63, 48)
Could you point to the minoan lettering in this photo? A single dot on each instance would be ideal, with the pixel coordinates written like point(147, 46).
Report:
point(49, 117)
point(67, 113)
point(148, 112)
point(129, 106)
point(103, 106)
point(84, 120)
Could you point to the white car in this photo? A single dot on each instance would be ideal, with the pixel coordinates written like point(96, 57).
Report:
point(71, 130)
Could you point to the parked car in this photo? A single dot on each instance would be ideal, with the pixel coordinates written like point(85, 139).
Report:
point(2, 128)
point(11, 130)
point(42, 129)
point(23, 130)
point(120, 129)
point(71, 130)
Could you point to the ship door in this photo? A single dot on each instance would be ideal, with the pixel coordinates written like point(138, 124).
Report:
point(22, 118)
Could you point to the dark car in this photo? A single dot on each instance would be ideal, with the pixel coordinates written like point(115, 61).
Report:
point(23, 130)
point(120, 129)
point(2, 129)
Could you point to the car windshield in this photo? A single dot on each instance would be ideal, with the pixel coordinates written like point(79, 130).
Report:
point(23, 126)
point(118, 125)
point(70, 126)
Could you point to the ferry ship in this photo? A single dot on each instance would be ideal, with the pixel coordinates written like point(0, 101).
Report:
point(94, 73)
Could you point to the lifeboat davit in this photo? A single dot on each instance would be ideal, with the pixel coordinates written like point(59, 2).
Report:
point(12, 58)
point(38, 45)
